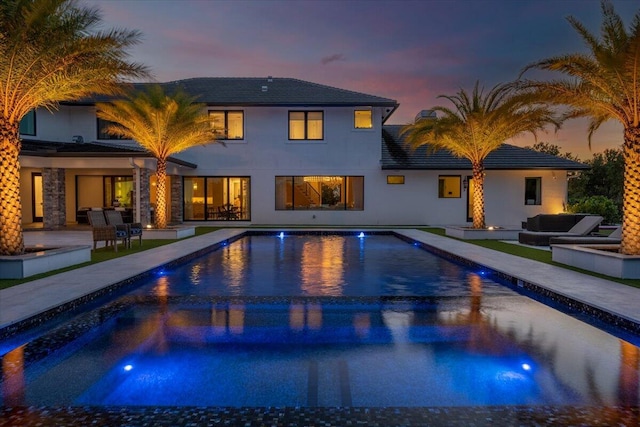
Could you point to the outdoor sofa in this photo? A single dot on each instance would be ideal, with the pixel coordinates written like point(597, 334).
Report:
point(552, 222)
point(541, 238)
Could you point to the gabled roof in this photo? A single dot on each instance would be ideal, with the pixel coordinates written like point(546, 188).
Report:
point(37, 148)
point(396, 155)
point(229, 91)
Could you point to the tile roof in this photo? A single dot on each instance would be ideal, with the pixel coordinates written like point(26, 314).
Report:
point(395, 155)
point(229, 91)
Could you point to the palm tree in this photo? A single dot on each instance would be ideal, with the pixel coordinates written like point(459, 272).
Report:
point(49, 53)
point(162, 124)
point(478, 125)
point(604, 84)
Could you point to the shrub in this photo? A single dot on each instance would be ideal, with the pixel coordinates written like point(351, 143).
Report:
point(598, 205)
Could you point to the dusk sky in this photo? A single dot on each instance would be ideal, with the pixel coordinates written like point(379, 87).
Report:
point(407, 50)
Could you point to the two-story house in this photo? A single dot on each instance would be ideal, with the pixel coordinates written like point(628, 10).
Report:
point(294, 153)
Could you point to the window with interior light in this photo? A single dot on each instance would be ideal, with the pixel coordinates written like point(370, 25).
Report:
point(227, 124)
point(533, 191)
point(362, 119)
point(449, 186)
point(395, 179)
point(217, 198)
point(28, 124)
point(306, 125)
point(319, 192)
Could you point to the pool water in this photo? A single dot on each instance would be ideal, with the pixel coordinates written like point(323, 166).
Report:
point(387, 324)
point(318, 266)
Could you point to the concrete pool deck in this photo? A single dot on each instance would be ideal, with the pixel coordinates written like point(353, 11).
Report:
point(26, 300)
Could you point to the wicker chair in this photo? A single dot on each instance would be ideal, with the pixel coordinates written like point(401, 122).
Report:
point(103, 232)
point(133, 229)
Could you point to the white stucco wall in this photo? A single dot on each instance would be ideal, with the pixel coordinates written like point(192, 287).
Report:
point(266, 152)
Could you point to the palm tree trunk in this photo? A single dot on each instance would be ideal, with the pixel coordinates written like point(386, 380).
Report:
point(630, 244)
point(478, 195)
point(161, 201)
point(11, 240)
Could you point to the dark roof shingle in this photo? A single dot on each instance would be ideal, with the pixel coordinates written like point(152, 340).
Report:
point(396, 155)
point(228, 91)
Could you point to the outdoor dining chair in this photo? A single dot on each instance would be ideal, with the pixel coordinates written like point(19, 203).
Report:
point(133, 229)
point(103, 232)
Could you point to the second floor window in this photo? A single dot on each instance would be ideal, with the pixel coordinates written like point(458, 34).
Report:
point(227, 124)
point(362, 119)
point(102, 125)
point(28, 124)
point(306, 125)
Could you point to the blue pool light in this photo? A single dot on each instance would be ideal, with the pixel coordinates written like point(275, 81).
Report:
point(526, 366)
point(361, 235)
point(281, 235)
point(128, 367)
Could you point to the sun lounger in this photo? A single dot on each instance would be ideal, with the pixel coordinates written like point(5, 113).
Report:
point(612, 239)
point(541, 238)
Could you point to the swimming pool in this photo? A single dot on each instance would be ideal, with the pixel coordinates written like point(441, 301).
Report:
point(333, 321)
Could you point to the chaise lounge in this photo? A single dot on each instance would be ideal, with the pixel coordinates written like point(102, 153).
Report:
point(541, 238)
point(612, 239)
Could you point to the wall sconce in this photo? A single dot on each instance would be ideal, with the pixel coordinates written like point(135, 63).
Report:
point(465, 184)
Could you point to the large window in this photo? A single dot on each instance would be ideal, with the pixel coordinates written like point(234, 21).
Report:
point(28, 124)
point(227, 124)
point(97, 191)
point(216, 198)
point(102, 125)
point(449, 186)
point(362, 119)
point(118, 191)
point(533, 191)
point(320, 192)
point(306, 125)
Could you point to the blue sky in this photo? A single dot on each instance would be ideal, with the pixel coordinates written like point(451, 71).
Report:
point(407, 50)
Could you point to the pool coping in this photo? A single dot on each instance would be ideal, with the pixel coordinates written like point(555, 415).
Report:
point(56, 294)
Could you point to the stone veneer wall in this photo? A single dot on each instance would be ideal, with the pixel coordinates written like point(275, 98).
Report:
point(54, 209)
point(145, 197)
point(176, 199)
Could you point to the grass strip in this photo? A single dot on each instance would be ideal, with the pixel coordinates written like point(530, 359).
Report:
point(528, 252)
point(105, 254)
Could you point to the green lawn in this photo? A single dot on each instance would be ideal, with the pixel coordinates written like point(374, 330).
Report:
point(531, 253)
point(105, 254)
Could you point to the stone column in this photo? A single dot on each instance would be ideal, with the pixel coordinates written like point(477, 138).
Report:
point(53, 203)
point(176, 215)
point(145, 197)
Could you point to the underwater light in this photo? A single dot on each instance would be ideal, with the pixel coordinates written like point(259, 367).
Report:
point(526, 366)
point(128, 367)
point(361, 235)
point(281, 235)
